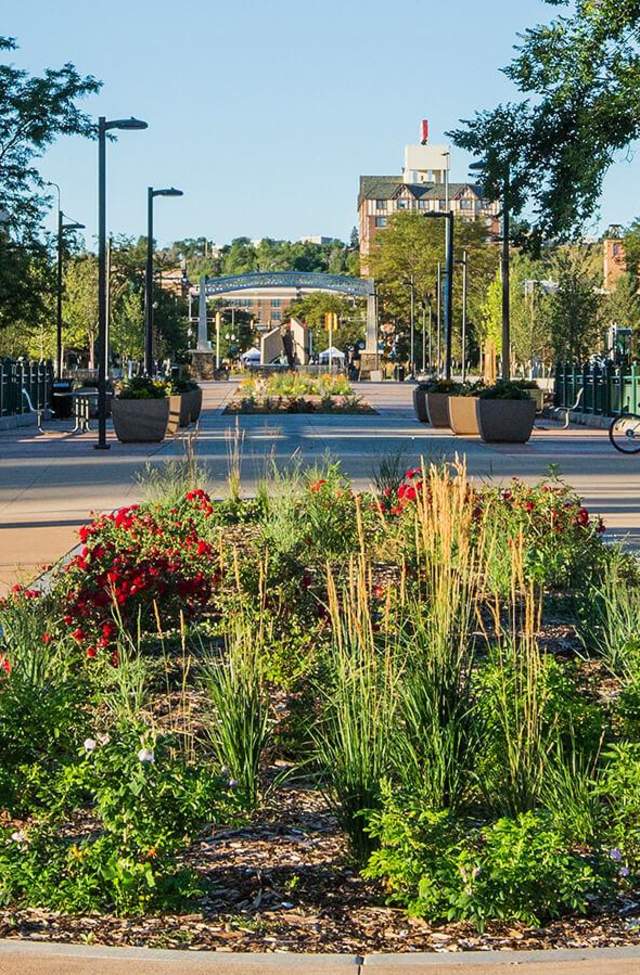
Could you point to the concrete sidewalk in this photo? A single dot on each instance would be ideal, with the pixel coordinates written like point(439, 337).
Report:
point(51, 484)
point(29, 958)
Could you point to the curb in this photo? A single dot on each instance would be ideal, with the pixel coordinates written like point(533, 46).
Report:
point(19, 957)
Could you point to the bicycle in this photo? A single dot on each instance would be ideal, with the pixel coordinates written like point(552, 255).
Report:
point(624, 433)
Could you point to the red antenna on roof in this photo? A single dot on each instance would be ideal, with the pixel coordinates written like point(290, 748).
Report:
point(424, 131)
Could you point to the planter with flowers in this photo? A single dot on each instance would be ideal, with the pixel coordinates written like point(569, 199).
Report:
point(462, 410)
point(144, 412)
point(505, 413)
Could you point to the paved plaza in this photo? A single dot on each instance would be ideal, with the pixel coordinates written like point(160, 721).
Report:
point(50, 484)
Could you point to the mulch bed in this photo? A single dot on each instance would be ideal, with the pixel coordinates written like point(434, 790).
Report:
point(285, 884)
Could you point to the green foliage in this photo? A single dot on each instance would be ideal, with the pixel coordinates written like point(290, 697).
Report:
point(142, 387)
point(34, 112)
point(504, 389)
point(239, 723)
point(444, 868)
point(579, 76)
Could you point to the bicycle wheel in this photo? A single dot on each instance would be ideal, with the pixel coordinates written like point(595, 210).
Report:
point(624, 433)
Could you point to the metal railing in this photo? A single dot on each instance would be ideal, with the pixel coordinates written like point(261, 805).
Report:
point(607, 389)
point(22, 376)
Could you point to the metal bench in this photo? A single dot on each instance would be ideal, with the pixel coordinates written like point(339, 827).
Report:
point(567, 410)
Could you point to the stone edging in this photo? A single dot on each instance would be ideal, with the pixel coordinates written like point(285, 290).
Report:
point(18, 957)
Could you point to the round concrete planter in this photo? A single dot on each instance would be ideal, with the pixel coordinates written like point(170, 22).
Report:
point(438, 409)
point(506, 420)
point(141, 420)
point(462, 415)
point(420, 403)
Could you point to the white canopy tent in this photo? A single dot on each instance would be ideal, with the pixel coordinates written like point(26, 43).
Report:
point(332, 354)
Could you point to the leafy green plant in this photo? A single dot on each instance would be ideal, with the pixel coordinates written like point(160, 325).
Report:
point(504, 389)
point(239, 723)
point(142, 387)
point(446, 868)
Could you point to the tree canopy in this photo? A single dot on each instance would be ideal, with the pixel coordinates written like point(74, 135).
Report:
point(580, 74)
point(34, 111)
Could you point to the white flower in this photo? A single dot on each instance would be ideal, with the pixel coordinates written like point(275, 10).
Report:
point(19, 836)
point(146, 755)
point(90, 744)
point(233, 783)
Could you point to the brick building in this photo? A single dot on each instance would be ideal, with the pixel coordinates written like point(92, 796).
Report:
point(423, 186)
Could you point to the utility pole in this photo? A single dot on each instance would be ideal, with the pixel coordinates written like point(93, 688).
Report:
point(412, 331)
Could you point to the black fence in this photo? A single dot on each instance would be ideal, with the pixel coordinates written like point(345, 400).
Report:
point(24, 386)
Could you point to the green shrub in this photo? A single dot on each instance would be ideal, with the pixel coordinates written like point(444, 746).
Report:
point(142, 387)
point(505, 389)
point(447, 869)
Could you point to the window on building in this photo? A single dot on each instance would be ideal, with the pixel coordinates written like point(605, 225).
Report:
point(381, 221)
point(423, 205)
point(466, 204)
point(442, 204)
point(276, 303)
point(402, 204)
point(276, 316)
point(381, 204)
point(617, 250)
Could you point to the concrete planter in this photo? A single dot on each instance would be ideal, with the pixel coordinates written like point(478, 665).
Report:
point(438, 409)
point(190, 406)
point(537, 395)
point(506, 420)
point(196, 404)
point(420, 403)
point(142, 420)
point(175, 407)
point(462, 415)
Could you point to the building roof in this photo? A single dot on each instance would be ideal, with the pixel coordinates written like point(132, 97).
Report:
point(388, 187)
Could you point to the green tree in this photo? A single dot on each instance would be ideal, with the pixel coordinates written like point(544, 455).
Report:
point(575, 309)
point(80, 304)
point(34, 111)
point(126, 332)
point(622, 306)
point(581, 78)
point(312, 308)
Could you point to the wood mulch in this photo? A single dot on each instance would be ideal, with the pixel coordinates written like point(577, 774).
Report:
point(285, 883)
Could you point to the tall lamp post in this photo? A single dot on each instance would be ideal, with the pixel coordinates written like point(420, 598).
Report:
point(148, 279)
point(465, 267)
point(105, 125)
point(448, 298)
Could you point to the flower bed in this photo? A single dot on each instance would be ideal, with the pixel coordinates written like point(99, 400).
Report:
point(447, 674)
point(297, 393)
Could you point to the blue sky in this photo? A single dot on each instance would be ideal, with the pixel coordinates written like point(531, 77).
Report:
point(266, 112)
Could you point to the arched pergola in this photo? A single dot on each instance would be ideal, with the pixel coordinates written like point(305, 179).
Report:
point(301, 280)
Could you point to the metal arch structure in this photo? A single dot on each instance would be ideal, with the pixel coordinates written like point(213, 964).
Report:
point(301, 280)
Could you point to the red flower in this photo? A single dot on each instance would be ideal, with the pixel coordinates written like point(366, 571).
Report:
point(78, 634)
point(317, 486)
point(91, 652)
point(5, 664)
point(582, 518)
point(46, 638)
point(17, 588)
point(529, 506)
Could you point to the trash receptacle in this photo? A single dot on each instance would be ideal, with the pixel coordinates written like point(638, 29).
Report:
point(62, 401)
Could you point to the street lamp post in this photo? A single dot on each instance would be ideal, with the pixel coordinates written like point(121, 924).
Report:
point(448, 298)
point(464, 264)
point(104, 125)
point(148, 278)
